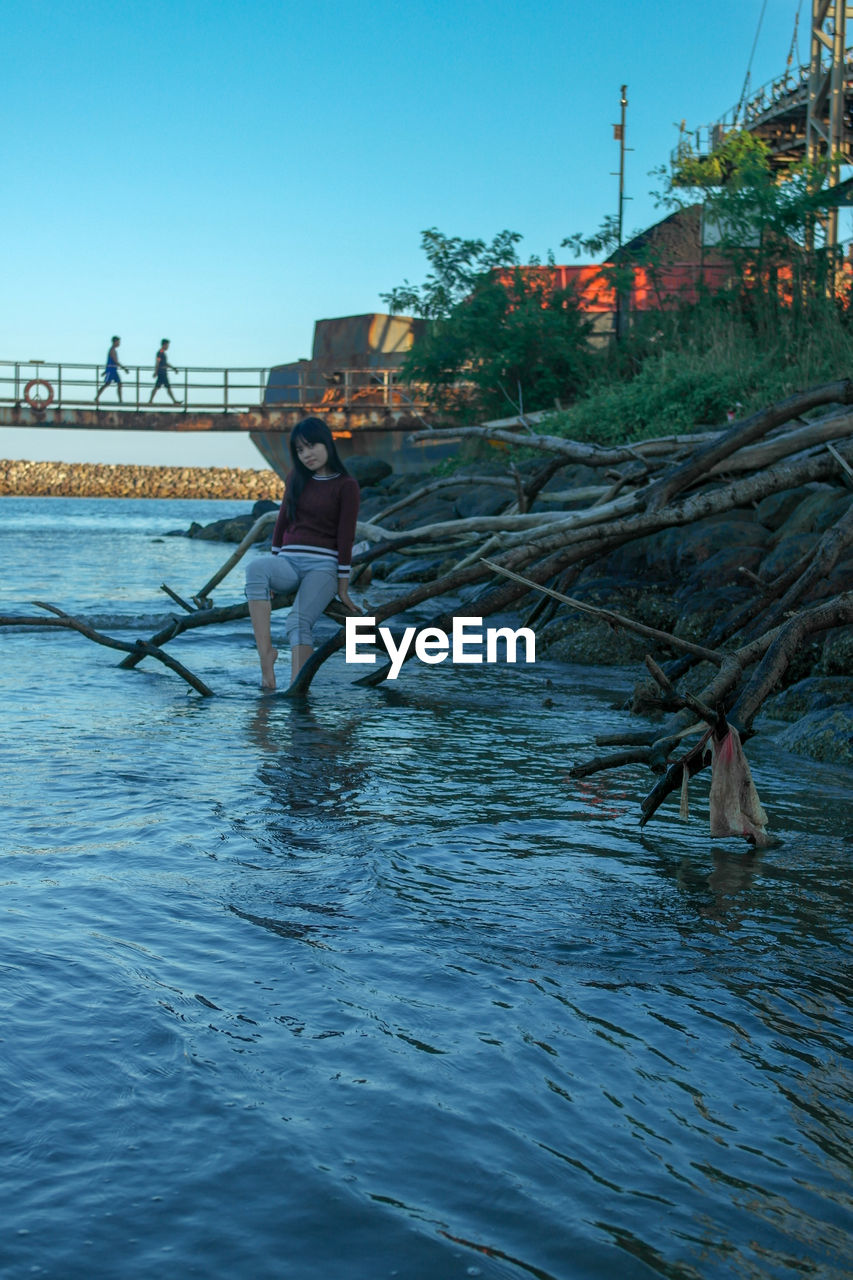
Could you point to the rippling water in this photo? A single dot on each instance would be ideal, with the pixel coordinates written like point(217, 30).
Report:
point(363, 987)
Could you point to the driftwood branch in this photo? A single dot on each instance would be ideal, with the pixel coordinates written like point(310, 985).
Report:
point(264, 522)
point(141, 648)
point(741, 434)
point(607, 615)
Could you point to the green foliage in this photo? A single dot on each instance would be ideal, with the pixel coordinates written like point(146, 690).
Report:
point(498, 338)
point(457, 266)
point(497, 330)
point(765, 221)
point(739, 157)
point(693, 366)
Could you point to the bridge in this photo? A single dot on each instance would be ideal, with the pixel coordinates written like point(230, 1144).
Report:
point(44, 393)
point(369, 411)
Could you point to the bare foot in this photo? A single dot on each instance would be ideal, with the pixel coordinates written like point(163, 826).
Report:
point(268, 669)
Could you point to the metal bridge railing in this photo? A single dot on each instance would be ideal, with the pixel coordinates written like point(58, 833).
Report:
point(59, 385)
point(780, 94)
point(44, 384)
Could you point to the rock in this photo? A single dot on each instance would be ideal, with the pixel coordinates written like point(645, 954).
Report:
point(837, 655)
point(263, 507)
point(96, 480)
point(416, 569)
point(826, 736)
point(701, 610)
point(773, 511)
point(807, 514)
point(815, 693)
point(480, 500)
point(725, 566)
point(785, 554)
point(699, 542)
point(653, 555)
point(833, 513)
point(589, 643)
point(433, 509)
point(367, 470)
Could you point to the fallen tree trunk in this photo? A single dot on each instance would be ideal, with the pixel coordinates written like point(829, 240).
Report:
point(742, 434)
point(140, 648)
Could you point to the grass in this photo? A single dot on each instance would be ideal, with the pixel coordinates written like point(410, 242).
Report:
point(701, 362)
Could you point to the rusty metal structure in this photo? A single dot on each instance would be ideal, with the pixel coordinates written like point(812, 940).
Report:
point(352, 380)
point(804, 114)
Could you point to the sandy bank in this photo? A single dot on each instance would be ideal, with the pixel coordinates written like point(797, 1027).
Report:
point(100, 480)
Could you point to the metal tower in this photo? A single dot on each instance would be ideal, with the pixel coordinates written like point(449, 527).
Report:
point(828, 121)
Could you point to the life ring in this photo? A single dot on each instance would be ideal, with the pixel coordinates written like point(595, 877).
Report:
point(34, 402)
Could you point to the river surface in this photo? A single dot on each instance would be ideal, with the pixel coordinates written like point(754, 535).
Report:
point(363, 987)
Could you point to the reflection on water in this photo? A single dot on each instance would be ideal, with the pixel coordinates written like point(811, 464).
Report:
point(306, 763)
point(365, 986)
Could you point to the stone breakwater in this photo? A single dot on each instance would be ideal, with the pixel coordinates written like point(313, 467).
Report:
point(121, 480)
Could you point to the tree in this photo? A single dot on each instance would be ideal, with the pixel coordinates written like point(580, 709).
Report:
point(763, 222)
point(498, 334)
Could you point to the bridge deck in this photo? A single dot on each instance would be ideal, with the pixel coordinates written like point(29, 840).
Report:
point(41, 393)
point(342, 420)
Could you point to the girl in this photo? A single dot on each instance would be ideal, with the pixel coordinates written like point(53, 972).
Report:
point(311, 547)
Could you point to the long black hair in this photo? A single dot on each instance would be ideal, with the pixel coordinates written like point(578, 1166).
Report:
point(312, 431)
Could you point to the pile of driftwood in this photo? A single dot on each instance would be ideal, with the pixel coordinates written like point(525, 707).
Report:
point(646, 487)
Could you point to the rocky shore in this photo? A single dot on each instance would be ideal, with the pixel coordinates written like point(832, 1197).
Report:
point(97, 480)
point(679, 580)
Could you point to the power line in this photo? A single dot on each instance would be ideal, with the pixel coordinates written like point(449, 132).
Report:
point(749, 64)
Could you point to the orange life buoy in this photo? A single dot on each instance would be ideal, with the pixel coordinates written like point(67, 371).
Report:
point(37, 402)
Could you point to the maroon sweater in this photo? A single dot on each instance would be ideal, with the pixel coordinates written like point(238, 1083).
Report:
point(325, 520)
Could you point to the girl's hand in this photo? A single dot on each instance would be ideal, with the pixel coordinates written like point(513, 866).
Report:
point(344, 597)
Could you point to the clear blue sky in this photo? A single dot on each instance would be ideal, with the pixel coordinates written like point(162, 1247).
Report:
point(226, 173)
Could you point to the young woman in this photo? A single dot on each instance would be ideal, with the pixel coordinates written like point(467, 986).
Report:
point(311, 547)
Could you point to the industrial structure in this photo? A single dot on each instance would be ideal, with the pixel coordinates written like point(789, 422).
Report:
point(804, 114)
point(353, 374)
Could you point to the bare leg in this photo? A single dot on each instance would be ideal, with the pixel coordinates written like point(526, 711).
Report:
point(299, 655)
point(260, 613)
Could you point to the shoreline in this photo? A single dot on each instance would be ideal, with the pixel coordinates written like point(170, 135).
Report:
point(22, 479)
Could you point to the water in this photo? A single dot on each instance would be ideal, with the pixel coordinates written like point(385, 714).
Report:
point(365, 988)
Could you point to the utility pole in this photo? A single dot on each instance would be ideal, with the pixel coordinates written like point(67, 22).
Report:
point(619, 135)
point(621, 316)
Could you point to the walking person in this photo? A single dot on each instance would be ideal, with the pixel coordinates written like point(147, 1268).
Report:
point(111, 369)
point(161, 371)
point(311, 547)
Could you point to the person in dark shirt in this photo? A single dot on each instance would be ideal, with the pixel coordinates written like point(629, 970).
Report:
point(161, 371)
point(311, 547)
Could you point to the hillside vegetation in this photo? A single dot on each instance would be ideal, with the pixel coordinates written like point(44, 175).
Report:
point(499, 339)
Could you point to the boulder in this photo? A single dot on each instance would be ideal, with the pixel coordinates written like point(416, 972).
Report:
point(774, 510)
point(833, 512)
point(263, 507)
point(725, 567)
point(837, 654)
point(814, 693)
point(481, 500)
point(811, 511)
point(233, 529)
point(416, 569)
point(785, 554)
point(825, 735)
point(367, 470)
